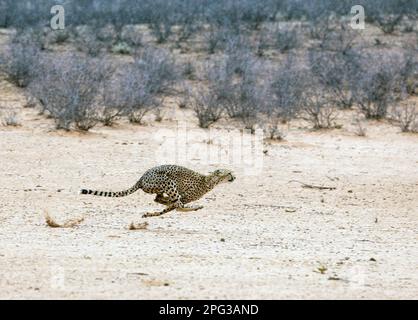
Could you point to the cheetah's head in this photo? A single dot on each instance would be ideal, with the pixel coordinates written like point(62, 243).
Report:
point(222, 175)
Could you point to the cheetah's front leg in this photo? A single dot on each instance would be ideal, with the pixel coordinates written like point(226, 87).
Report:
point(189, 208)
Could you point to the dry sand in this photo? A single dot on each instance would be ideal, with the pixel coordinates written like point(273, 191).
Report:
point(261, 237)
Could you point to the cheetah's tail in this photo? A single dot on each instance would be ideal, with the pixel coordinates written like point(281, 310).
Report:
point(110, 193)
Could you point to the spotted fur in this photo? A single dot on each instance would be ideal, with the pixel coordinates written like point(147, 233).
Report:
point(173, 185)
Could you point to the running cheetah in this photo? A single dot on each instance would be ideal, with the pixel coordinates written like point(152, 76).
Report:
point(175, 186)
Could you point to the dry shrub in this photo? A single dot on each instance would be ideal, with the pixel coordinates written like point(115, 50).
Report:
point(206, 108)
point(185, 96)
point(286, 90)
point(317, 109)
point(10, 118)
point(381, 83)
point(273, 130)
point(19, 61)
point(141, 84)
point(128, 95)
point(67, 224)
point(69, 88)
point(337, 72)
point(286, 39)
point(406, 117)
point(138, 226)
point(360, 129)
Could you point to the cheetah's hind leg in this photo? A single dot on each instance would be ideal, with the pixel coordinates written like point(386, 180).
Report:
point(173, 199)
point(160, 198)
point(189, 208)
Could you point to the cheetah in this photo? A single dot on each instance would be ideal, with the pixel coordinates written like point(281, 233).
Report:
point(174, 186)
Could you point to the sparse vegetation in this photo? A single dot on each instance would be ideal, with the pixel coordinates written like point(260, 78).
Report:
point(286, 91)
point(273, 130)
point(337, 73)
point(378, 85)
point(324, 65)
point(184, 96)
point(121, 48)
point(317, 109)
point(51, 222)
point(207, 109)
point(286, 39)
point(406, 116)
point(69, 89)
point(60, 36)
point(360, 129)
point(18, 62)
point(130, 94)
point(10, 119)
point(157, 66)
point(138, 226)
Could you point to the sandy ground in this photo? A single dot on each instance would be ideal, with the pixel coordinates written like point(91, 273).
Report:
point(262, 236)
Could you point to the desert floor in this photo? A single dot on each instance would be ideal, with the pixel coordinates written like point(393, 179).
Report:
point(263, 236)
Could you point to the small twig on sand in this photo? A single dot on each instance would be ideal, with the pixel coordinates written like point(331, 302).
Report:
point(332, 179)
point(138, 226)
point(310, 186)
point(68, 224)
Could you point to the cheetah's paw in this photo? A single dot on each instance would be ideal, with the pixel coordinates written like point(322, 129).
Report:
point(191, 208)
